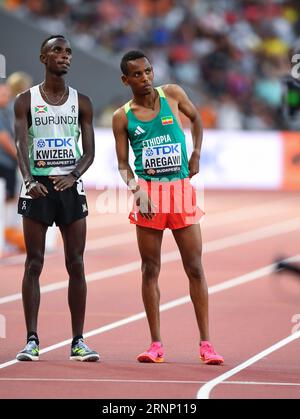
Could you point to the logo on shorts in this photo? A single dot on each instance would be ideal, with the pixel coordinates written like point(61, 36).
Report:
point(24, 206)
point(84, 208)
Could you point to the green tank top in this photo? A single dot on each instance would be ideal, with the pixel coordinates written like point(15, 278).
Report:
point(158, 145)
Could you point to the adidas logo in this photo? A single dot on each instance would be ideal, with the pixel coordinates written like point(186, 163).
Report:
point(139, 131)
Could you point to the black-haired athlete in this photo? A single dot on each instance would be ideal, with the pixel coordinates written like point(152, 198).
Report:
point(164, 197)
point(48, 119)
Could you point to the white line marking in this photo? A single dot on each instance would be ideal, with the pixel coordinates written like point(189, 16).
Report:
point(205, 391)
point(212, 246)
point(115, 380)
point(211, 220)
point(234, 282)
point(261, 383)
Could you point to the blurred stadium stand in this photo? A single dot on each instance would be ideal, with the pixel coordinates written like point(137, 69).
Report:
point(91, 74)
point(229, 54)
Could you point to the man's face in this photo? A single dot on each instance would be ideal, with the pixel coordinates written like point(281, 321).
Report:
point(140, 76)
point(57, 56)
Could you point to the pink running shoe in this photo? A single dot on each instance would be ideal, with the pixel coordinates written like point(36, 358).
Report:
point(208, 354)
point(154, 354)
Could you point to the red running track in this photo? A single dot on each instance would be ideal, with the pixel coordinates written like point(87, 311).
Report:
point(242, 233)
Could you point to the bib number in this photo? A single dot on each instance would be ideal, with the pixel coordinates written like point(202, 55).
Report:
point(54, 152)
point(162, 160)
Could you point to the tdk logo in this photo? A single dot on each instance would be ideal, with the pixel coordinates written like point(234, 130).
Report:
point(55, 142)
point(166, 149)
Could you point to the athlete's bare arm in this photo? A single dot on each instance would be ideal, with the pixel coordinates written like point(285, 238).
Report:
point(22, 110)
point(179, 101)
point(88, 144)
point(87, 133)
point(119, 125)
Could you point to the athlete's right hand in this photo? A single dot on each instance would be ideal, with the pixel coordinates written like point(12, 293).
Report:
point(36, 190)
point(145, 205)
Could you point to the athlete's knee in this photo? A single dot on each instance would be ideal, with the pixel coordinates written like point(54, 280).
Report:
point(194, 270)
point(34, 265)
point(150, 269)
point(75, 266)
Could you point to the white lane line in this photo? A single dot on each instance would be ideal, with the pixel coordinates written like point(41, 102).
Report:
point(210, 220)
point(234, 282)
point(115, 380)
point(205, 390)
point(212, 246)
point(261, 383)
point(128, 237)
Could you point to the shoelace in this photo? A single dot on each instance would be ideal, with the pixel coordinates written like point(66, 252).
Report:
point(31, 345)
point(83, 345)
point(155, 348)
point(206, 348)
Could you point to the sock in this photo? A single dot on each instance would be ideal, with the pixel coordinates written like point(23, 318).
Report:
point(76, 339)
point(33, 336)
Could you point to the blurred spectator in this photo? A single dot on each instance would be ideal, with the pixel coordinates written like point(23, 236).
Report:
point(229, 115)
point(8, 169)
point(233, 51)
point(16, 83)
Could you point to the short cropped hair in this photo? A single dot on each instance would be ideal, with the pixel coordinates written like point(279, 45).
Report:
point(131, 56)
point(49, 38)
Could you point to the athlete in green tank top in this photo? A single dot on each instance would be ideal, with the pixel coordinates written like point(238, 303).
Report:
point(150, 124)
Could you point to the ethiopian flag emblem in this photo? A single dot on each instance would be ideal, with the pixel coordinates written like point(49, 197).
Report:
point(41, 109)
point(167, 120)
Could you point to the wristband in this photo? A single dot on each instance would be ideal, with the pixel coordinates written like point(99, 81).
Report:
point(76, 174)
point(31, 184)
point(28, 182)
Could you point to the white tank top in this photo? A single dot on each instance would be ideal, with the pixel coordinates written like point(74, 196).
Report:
point(53, 135)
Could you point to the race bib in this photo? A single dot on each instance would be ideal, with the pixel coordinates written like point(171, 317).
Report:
point(54, 152)
point(162, 159)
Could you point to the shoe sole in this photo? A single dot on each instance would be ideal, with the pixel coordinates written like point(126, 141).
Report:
point(150, 359)
point(88, 358)
point(212, 361)
point(27, 357)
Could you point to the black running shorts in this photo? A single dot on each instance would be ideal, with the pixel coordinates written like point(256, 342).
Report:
point(59, 207)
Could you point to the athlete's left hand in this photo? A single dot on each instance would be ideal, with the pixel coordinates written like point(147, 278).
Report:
point(62, 183)
point(194, 164)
